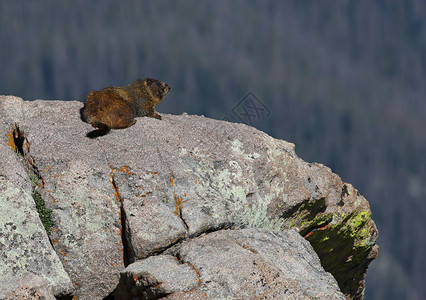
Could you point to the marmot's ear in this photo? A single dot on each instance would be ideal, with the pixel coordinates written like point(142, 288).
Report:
point(149, 81)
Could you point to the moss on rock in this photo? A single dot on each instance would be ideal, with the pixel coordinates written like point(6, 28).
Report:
point(44, 213)
point(341, 242)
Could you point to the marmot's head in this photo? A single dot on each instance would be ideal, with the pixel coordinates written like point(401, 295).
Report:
point(157, 88)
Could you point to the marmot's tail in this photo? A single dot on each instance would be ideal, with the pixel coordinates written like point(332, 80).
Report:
point(102, 130)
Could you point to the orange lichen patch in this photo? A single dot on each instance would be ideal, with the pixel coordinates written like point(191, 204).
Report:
point(170, 242)
point(154, 173)
point(250, 249)
point(309, 234)
point(196, 271)
point(44, 170)
point(144, 195)
point(30, 160)
point(178, 204)
point(199, 279)
point(171, 180)
point(12, 135)
point(53, 199)
point(124, 169)
point(41, 182)
point(312, 232)
point(157, 285)
point(77, 284)
point(135, 278)
point(16, 140)
point(116, 194)
point(27, 145)
point(324, 227)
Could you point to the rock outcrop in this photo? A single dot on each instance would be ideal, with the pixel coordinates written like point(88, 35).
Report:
point(185, 207)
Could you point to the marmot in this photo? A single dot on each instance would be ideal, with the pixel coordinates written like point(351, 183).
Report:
point(117, 107)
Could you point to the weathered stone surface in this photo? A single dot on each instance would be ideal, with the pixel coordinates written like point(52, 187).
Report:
point(155, 277)
point(24, 244)
point(233, 264)
point(87, 228)
point(24, 287)
point(75, 182)
point(173, 179)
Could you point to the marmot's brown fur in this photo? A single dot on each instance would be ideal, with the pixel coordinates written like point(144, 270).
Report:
point(117, 107)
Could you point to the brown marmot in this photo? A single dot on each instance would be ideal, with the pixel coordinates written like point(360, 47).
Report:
point(117, 107)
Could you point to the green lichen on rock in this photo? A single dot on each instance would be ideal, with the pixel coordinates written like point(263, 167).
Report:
point(307, 215)
point(44, 213)
point(342, 242)
point(343, 247)
point(256, 216)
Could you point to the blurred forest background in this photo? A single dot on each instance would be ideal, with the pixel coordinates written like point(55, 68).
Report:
point(343, 80)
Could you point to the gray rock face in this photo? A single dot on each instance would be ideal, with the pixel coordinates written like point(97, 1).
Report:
point(156, 277)
point(233, 264)
point(75, 183)
point(158, 185)
point(24, 244)
point(24, 287)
